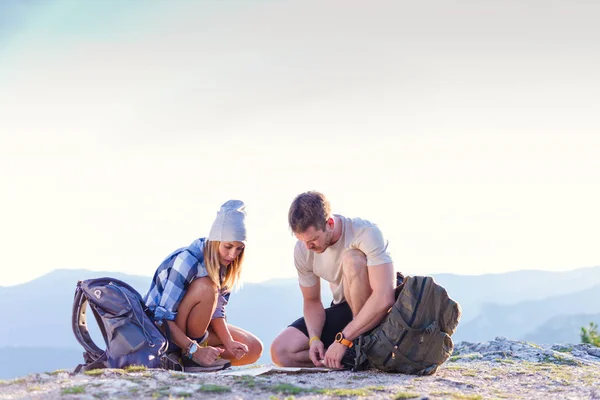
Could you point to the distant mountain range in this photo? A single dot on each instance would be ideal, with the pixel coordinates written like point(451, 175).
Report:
point(475, 291)
point(524, 319)
point(538, 306)
point(562, 329)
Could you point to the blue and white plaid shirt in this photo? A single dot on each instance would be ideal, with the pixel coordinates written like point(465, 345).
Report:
point(172, 279)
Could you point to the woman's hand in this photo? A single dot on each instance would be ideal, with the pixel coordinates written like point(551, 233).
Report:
point(206, 356)
point(238, 349)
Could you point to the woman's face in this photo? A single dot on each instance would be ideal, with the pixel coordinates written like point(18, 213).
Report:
point(229, 251)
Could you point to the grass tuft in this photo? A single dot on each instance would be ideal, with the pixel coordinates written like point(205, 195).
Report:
point(58, 371)
point(559, 359)
point(94, 372)
point(406, 395)
point(564, 349)
point(351, 392)
point(248, 381)
point(17, 381)
point(209, 388)
point(135, 368)
point(179, 376)
point(74, 390)
point(463, 396)
point(286, 388)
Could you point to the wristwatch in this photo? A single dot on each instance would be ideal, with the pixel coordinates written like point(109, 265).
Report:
point(192, 349)
point(341, 339)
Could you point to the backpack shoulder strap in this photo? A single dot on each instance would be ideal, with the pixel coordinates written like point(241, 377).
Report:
point(79, 325)
point(101, 362)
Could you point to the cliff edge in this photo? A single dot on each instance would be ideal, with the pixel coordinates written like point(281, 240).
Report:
point(501, 368)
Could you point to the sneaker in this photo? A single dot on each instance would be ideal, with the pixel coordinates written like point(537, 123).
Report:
point(348, 361)
point(191, 366)
point(171, 361)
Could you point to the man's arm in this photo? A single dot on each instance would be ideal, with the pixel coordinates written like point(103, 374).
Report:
point(314, 317)
point(314, 313)
point(381, 279)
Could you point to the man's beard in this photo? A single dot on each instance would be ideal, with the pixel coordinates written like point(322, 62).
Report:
point(328, 240)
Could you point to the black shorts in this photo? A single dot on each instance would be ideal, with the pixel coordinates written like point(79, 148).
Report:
point(337, 316)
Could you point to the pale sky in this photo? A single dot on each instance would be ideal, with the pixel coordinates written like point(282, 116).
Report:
point(468, 131)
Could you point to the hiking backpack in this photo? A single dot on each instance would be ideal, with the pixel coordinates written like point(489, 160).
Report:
point(130, 335)
point(414, 337)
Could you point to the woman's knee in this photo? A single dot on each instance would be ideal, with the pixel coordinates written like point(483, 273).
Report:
point(202, 289)
point(255, 350)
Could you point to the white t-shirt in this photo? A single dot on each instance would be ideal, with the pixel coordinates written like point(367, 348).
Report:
point(356, 234)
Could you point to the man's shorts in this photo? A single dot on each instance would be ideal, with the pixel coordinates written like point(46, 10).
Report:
point(337, 316)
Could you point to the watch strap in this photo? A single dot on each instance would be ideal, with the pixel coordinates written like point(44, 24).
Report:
point(341, 339)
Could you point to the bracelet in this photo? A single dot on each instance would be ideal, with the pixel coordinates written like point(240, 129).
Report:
point(191, 349)
point(313, 338)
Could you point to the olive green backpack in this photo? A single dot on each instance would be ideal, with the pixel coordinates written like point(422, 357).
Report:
point(414, 337)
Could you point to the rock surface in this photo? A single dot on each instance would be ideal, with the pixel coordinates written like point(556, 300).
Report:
point(497, 369)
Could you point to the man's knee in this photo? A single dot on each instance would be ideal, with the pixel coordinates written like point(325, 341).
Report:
point(354, 262)
point(278, 349)
point(283, 346)
point(202, 289)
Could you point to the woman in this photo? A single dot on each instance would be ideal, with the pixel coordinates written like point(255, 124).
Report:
point(189, 292)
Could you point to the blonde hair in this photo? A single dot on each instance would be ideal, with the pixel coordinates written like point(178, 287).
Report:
point(213, 266)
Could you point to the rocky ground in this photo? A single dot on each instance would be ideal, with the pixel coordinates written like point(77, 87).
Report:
point(500, 369)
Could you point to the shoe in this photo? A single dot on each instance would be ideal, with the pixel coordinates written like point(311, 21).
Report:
point(171, 361)
point(349, 359)
point(218, 365)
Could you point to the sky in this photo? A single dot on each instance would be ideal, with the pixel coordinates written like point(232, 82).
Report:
point(468, 131)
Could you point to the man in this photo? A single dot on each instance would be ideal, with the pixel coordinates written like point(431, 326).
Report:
point(351, 254)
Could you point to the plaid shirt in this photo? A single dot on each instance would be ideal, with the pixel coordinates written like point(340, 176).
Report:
point(172, 278)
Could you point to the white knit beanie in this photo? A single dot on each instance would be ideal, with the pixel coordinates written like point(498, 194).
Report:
point(230, 224)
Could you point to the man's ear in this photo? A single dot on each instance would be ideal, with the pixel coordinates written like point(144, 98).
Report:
point(331, 222)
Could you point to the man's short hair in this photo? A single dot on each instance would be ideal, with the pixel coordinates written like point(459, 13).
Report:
point(309, 209)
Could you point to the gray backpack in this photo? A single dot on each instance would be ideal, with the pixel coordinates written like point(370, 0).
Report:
point(414, 337)
point(130, 335)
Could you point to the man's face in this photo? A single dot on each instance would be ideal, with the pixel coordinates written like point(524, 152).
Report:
point(315, 239)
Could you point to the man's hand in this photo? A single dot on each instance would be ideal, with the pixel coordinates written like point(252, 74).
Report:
point(334, 355)
point(238, 349)
point(316, 352)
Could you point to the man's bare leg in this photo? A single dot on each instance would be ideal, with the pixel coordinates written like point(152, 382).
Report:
point(290, 349)
point(355, 278)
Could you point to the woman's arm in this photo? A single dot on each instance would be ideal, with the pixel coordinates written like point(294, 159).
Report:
point(233, 348)
point(178, 336)
point(219, 326)
point(204, 356)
